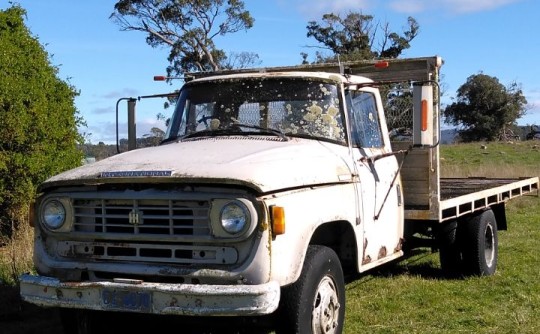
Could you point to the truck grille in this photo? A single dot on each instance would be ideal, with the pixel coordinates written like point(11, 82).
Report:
point(165, 217)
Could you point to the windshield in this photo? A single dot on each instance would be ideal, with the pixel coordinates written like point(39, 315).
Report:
point(284, 107)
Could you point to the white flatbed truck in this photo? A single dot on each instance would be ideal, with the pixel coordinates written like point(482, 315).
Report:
point(270, 186)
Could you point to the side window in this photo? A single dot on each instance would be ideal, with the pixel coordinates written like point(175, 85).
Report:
point(366, 129)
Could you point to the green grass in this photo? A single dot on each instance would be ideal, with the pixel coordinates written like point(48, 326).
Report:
point(412, 296)
point(496, 159)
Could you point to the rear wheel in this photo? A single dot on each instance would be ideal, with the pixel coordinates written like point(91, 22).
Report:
point(315, 303)
point(480, 253)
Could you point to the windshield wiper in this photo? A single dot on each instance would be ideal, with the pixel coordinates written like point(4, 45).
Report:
point(235, 129)
point(207, 132)
point(262, 129)
point(168, 140)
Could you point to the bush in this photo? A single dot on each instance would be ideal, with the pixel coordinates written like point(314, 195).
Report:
point(38, 119)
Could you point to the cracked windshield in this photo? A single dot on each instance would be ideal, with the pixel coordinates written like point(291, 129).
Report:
point(283, 107)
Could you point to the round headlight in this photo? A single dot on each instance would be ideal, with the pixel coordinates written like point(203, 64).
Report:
point(234, 217)
point(54, 214)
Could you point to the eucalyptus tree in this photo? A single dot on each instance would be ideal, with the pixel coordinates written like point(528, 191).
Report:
point(188, 28)
point(356, 36)
point(484, 107)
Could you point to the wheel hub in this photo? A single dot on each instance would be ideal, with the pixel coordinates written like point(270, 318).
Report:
point(489, 250)
point(325, 307)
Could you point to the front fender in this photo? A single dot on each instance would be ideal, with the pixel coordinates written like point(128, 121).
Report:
point(306, 210)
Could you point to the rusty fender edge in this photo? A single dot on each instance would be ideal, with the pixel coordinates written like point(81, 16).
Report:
point(156, 298)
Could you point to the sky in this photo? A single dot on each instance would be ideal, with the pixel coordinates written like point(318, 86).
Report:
point(495, 37)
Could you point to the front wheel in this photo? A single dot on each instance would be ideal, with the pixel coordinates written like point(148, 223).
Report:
point(315, 303)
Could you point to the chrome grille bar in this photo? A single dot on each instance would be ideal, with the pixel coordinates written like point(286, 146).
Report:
point(170, 217)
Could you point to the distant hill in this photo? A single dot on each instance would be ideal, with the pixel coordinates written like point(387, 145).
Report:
point(449, 136)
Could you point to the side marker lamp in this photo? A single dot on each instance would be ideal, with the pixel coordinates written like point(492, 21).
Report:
point(425, 114)
point(382, 64)
point(278, 220)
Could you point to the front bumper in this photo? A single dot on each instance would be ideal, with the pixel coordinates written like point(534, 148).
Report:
point(155, 298)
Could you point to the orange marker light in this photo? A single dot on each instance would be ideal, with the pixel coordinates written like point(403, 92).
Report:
point(382, 64)
point(278, 220)
point(424, 116)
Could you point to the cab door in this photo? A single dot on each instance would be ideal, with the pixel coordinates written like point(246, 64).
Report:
point(379, 190)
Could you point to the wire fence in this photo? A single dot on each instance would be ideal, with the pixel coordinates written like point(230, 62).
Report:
point(398, 110)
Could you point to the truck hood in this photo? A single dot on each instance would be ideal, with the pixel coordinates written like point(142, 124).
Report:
point(262, 163)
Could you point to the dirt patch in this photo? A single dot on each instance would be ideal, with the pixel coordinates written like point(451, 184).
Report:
point(18, 317)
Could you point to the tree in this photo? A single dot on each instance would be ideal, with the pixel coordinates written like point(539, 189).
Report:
point(153, 138)
point(38, 118)
point(240, 60)
point(352, 37)
point(187, 27)
point(485, 107)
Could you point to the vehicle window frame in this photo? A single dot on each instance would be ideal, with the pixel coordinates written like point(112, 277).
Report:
point(361, 115)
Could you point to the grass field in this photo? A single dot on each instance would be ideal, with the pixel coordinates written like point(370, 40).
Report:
point(412, 296)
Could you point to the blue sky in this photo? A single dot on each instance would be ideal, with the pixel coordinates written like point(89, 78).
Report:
point(496, 37)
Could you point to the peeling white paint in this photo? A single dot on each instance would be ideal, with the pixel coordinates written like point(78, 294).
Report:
point(266, 164)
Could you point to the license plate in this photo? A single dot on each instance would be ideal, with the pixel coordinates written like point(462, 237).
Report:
point(125, 300)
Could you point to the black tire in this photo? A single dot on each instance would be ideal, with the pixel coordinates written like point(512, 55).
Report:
point(449, 240)
point(315, 303)
point(480, 252)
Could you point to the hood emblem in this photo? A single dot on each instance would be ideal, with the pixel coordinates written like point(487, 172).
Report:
point(137, 173)
point(135, 217)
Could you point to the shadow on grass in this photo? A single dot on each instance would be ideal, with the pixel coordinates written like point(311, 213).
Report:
point(115, 323)
point(418, 263)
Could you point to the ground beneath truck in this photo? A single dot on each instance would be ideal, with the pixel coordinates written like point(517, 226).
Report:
point(18, 317)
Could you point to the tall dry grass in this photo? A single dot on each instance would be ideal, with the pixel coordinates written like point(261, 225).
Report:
point(16, 254)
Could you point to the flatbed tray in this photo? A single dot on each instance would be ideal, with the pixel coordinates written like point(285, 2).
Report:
point(461, 196)
point(455, 187)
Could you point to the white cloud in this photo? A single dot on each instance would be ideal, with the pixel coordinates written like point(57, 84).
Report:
point(410, 6)
point(532, 113)
point(452, 6)
point(533, 100)
point(103, 110)
point(122, 93)
point(313, 9)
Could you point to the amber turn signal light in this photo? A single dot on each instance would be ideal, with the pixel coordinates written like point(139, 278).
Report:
point(278, 220)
